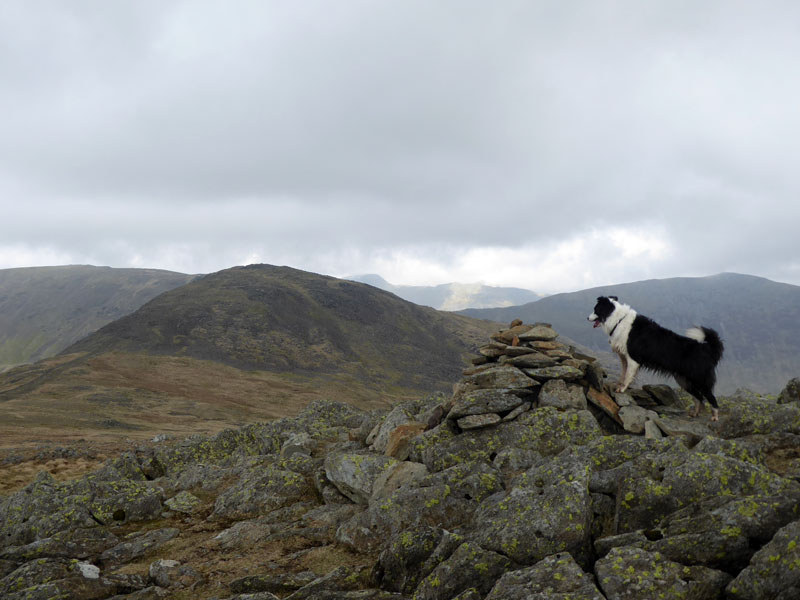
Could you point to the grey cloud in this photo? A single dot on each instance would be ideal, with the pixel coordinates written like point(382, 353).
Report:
point(378, 125)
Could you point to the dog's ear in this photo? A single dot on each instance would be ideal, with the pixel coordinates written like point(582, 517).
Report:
point(614, 298)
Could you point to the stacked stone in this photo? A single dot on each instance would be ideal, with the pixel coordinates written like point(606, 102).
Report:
point(521, 367)
point(526, 366)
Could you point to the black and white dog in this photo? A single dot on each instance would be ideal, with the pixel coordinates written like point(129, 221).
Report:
point(641, 342)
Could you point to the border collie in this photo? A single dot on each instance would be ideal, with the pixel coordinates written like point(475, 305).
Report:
point(639, 341)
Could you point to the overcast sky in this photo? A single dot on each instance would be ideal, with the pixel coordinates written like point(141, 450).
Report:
point(551, 145)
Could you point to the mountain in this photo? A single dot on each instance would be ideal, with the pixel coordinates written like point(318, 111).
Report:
point(241, 344)
point(758, 319)
point(45, 309)
point(453, 296)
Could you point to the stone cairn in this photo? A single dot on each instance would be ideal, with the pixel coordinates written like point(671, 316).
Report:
point(526, 366)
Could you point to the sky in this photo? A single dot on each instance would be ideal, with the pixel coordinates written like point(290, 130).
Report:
point(548, 145)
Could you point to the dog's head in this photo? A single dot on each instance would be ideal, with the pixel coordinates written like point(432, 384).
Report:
point(603, 309)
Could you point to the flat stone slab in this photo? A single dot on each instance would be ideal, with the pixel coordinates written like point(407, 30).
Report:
point(539, 333)
point(506, 377)
point(555, 372)
point(478, 421)
point(480, 402)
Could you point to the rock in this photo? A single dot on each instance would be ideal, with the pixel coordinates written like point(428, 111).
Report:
point(743, 417)
point(556, 372)
point(395, 477)
point(470, 566)
point(399, 444)
point(539, 333)
point(260, 489)
point(504, 377)
point(547, 511)
point(46, 507)
point(297, 443)
point(275, 582)
point(56, 578)
point(530, 360)
point(693, 429)
point(484, 401)
point(138, 545)
point(628, 573)
point(557, 576)
point(664, 395)
point(559, 394)
point(522, 408)
point(447, 499)
point(334, 585)
point(603, 401)
point(634, 417)
point(78, 543)
point(478, 421)
point(183, 502)
point(354, 474)
point(401, 565)
point(399, 415)
point(652, 431)
point(546, 431)
point(507, 335)
point(791, 392)
point(774, 571)
point(171, 573)
point(656, 485)
point(722, 532)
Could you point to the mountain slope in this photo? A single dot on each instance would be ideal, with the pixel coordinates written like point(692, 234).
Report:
point(758, 319)
point(453, 296)
point(45, 309)
point(245, 344)
point(286, 320)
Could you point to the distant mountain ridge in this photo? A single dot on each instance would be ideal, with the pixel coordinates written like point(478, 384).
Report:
point(45, 309)
point(758, 319)
point(453, 296)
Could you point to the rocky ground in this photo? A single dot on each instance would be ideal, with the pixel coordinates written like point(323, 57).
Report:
point(530, 481)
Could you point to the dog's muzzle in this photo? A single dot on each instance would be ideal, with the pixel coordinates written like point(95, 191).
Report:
point(595, 318)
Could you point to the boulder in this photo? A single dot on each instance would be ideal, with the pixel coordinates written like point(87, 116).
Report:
point(540, 332)
point(548, 510)
point(555, 577)
point(469, 567)
point(484, 401)
point(629, 573)
point(560, 394)
point(501, 377)
point(774, 571)
point(791, 392)
point(353, 474)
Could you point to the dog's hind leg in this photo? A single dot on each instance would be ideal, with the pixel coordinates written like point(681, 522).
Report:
point(709, 395)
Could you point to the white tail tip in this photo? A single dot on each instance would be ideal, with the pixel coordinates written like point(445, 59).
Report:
point(696, 334)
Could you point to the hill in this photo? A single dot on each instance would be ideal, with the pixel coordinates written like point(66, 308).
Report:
point(255, 342)
point(453, 296)
point(758, 319)
point(45, 309)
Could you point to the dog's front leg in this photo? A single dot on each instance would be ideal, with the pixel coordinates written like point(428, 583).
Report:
point(630, 373)
point(624, 360)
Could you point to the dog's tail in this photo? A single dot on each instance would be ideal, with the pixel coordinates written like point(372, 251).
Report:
point(706, 335)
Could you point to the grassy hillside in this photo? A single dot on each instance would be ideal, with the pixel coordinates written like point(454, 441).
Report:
point(45, 309)
point(758, 319)
point(244, 344)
